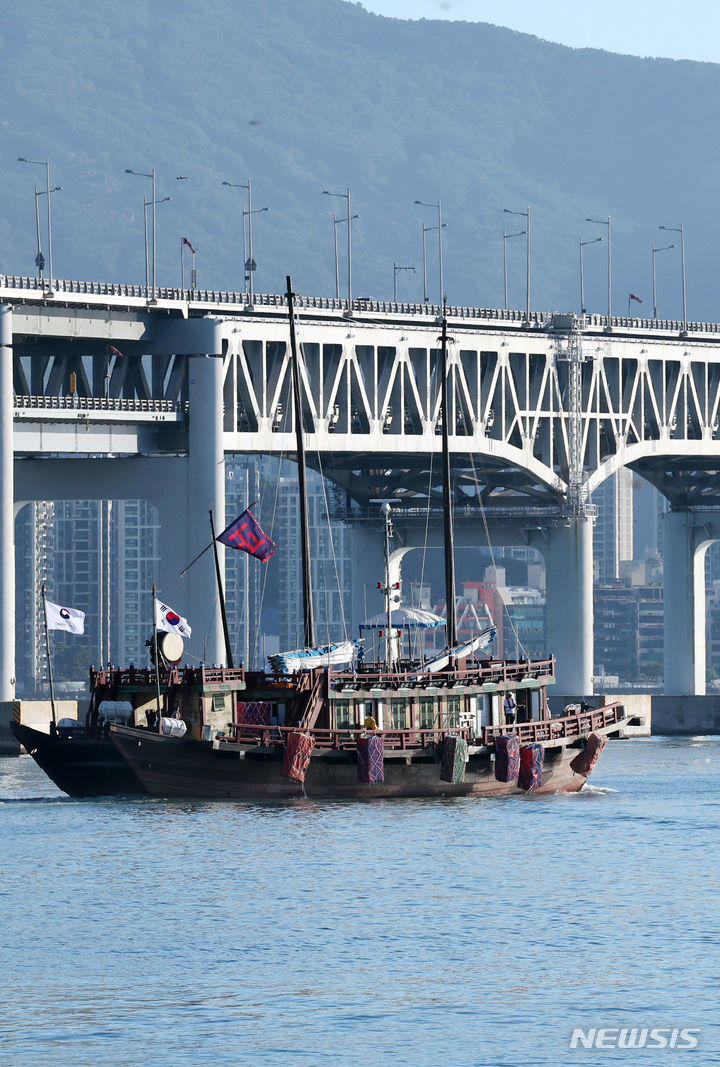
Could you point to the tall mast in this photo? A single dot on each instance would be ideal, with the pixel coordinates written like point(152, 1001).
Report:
point(308, 619)
point(221, 594)
point(448, 531)
point(389, 658)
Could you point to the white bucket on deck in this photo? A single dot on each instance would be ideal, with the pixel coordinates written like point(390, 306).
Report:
point(172, 727)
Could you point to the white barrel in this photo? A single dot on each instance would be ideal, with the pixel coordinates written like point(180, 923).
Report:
point(116, 711)
point(172, 727)
point(207, 733)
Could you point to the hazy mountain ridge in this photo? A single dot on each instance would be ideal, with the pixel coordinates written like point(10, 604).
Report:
point(484, 117)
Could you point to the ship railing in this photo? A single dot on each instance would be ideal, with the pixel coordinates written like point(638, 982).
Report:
point(567, 726)
point(115, 677)
point(501, 673)
point(248, 733)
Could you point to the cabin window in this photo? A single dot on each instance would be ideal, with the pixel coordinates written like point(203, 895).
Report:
point(344, 715)
point(397, 717)
point(427, 713)
point(218, 702)
point(452, 714)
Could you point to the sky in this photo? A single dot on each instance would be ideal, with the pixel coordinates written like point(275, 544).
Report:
point(690, 30)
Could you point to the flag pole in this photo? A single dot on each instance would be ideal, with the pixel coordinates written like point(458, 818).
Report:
point(199, 556)
point(49, 660)
point(221, 594)
point(157, 655)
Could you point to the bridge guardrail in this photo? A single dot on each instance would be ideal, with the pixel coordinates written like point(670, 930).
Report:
point(25, 283)
point(91, 403)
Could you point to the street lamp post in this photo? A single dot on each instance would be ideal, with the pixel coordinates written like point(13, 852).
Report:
point(681, 230)
point(350, 217)
point(45, 163)
point(582, 271)
point(607, 222)
point(151, 175)
point(397, 268)
point(336, 221)
point(426, 230)
point(506, 238)
point(249, 263)
point(440, 227)
point(146, 205)
point(39, 258)
point(526, 216)
point(665, 248)
point(193, 270)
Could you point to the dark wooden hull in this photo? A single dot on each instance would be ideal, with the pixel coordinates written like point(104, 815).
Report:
point(179, 767)
point(80, 765)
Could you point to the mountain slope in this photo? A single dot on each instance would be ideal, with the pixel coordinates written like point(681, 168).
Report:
point(323, 94)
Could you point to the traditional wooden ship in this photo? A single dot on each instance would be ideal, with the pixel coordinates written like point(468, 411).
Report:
point(458, 724)
point(462, 724)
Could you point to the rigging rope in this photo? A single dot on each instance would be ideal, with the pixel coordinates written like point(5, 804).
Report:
point(483, 515)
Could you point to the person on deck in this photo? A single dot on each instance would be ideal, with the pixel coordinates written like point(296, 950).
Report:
point(370, 723)
point(509, 709)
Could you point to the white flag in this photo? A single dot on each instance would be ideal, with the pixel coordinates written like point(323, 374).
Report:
point(69, 619)
point(169, 620)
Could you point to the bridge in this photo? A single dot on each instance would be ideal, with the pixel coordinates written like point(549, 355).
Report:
point(113, 392)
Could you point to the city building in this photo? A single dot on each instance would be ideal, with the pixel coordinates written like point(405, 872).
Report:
point(613, 538)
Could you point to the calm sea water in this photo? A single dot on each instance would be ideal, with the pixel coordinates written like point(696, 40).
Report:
point(406, 932)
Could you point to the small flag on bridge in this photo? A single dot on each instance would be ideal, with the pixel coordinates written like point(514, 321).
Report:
point(246, 534)
point(113, 351)
point(185, 241)
point(637, 298)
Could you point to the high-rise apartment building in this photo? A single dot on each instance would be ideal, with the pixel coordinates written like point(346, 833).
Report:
point(613, 540)
point(331, 564)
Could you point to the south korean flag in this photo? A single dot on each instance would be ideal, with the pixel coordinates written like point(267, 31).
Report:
point(168, 620)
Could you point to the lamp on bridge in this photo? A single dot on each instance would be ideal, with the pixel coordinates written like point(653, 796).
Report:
point(525, 215)
point(594, 241)
point(40, 258)
point(665, 248)
point(249, 263)
point(440, 227)
point(506, 237)
point(350, 217)
point(146, 205)
point(153, 201)
point(46, 164)
point(607, 222)
point(336, 220)
point(397, 269)
point(681, 230)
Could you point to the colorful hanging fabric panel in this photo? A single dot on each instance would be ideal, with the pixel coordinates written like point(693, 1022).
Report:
point(531, 764)
point(371, 765)
point(585, 761)
point(254, 712)
point(454, 758)
point(298, 751)
point(507, 758)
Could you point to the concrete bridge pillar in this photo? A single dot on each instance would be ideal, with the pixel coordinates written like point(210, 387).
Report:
point(569, 604)
point(685, 545)
point(7, 513)
point(205, 490)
